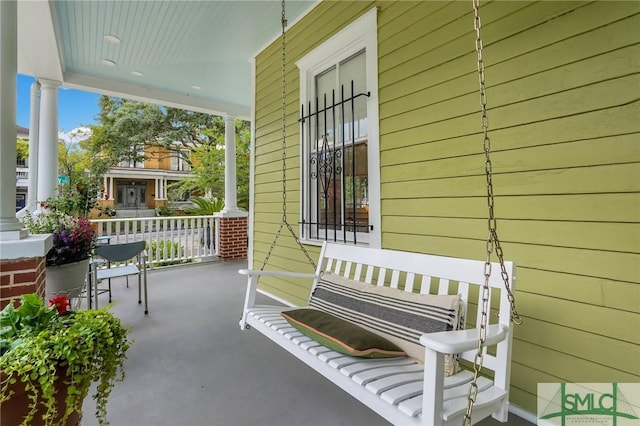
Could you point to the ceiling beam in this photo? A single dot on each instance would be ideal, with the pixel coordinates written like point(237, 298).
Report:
point(147, 94)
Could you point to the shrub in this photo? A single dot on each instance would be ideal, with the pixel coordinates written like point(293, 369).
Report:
point(164, 211)
point(157, 252)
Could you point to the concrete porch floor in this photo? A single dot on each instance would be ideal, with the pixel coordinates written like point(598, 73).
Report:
point(190, 364)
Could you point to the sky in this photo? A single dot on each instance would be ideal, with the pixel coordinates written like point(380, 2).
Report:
point(76, 108)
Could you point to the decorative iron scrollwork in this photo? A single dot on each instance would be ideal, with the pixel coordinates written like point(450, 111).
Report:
point(326, 165)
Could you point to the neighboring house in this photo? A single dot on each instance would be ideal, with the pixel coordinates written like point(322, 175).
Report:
point(136, 188)
point(563, 84)
point(22, 172)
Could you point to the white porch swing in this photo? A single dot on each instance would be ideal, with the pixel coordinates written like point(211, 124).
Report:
point(361, 286)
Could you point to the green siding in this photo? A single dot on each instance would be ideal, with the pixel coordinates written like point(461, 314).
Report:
point(564, 113)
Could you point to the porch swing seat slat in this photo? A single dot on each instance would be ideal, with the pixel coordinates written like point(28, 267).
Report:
point(405, 390)
point(378, 374)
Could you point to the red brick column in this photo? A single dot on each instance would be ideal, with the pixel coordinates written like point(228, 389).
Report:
point(21, 276)
point(233, 238)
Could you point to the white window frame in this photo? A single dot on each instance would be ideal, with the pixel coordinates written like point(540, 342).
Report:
point(360, 34)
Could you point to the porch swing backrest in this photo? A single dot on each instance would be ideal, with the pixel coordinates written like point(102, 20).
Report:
point(394, 388)
point(423, 274)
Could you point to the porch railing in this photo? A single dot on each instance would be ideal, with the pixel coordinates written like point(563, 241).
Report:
point(170, 240)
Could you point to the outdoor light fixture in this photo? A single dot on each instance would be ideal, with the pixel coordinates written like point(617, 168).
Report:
point(137, 73)
point(108, 63)
point(194, 87)
point(111, 39)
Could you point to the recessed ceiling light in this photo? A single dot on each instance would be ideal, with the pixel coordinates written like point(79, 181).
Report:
point(194, 87)
point(108, 63)
point(111, 39)
point(137, 73)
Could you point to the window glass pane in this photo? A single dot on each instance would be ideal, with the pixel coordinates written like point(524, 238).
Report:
point(356, 188)
point(325, 84)
point(174, 160)
point(140, 157)
point(185, 161)
point(325, 90)
point(354, 70)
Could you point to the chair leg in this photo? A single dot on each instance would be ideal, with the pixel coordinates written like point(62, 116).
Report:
point(89, 284)
point(109, 290)
point(146, 304)
point(139, 290)
point(95, 286)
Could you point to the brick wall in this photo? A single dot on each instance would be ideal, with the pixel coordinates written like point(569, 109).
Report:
point(233, 238)
point(21, 276)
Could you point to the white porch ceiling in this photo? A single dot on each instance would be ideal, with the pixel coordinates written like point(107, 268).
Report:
point(176, 45)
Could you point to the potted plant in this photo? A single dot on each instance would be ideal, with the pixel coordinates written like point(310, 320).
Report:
point(50, 355)
point(109, 211)
point(73, 241)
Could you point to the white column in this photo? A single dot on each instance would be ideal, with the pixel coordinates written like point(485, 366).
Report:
point(155, 189)
point(10, 226)
point(111, 193)
point(34, 132)
point(230, 195)
point(48, 149)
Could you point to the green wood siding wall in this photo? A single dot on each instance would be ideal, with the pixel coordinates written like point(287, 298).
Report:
point(564, 96)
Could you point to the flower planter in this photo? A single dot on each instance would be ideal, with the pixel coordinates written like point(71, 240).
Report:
point(66, 279)
point(53, 355)
point(15, 409)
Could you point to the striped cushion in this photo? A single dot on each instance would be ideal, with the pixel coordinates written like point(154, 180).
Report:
point(401, 317)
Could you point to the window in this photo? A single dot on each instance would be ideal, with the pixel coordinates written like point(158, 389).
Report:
point(135, 158)
point(180, 160)
point(340, 158)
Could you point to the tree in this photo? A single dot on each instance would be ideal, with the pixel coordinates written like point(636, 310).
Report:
point(22, 147)
point(73, 159)
point(208, 164)
point(128, 126)
point(78, 196)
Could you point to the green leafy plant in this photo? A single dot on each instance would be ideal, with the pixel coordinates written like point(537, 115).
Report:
point(40, 342)
point(164, 211)
point(206, 206)
point(157, 252)
point(108, 211)
point(75, 200)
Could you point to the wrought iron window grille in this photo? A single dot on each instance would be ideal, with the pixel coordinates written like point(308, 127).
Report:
point(331, 170)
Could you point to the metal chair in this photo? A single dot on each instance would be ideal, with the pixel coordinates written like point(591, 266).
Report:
point(124, 252)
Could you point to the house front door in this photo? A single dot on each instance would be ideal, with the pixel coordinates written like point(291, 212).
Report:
point(132, 196)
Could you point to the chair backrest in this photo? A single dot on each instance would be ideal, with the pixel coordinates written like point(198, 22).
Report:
point(120, 252)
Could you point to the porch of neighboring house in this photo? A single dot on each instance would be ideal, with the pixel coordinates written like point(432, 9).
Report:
point(138, 192)
point(190, 364)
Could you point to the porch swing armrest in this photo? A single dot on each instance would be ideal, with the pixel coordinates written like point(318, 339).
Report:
point(287, 274)
point(457, 341)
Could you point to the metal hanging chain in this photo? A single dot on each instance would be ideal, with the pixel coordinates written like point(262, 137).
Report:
point(493, 243)
point(285, 222)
